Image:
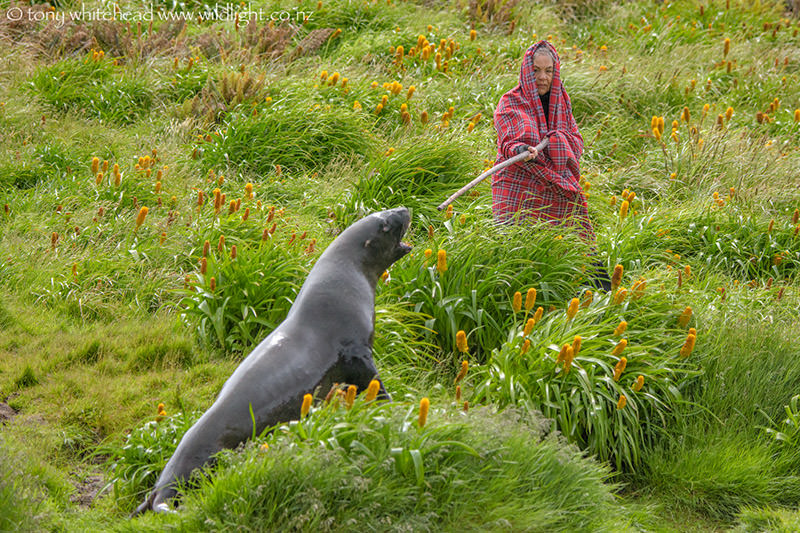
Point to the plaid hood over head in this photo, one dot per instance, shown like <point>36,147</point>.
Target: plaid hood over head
<point>554,177</point>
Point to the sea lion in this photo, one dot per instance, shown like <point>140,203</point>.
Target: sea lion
<point>326,338</point>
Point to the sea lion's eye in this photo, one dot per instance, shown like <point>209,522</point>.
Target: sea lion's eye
<point>385,228</point>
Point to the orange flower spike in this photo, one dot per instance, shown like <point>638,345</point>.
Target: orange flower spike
<point>620,368</point>
<point>530,299</point>
<point>562,355</point>
<point>95,165</point>
<point>572,309</point>
<point>568,357</point>
<point>461,341</point>
<point>372,390</point>
<point>424,406</point>
<point>306,407</point>
<point>618,349</point>
<point>141,216</point>
<point>463,372</point>
<point>576,345</point>
<point>528,327</point>
<point>726,47</point>
<point>622,293</point>
<point>441,261</point>
<point>622,402</point>
<point>685,317</point>
<point>620,328</point>
<point>516,302</point>
<point>688,346</point>
<point>525,346</point>
<point>616,278</point>
<point>639,384</point>
<point>537,316</point>
<point>588,297</point>
<point>350,397</point>
<point>623,209</point>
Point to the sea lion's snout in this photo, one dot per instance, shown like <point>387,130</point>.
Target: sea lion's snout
<point>401,219</point>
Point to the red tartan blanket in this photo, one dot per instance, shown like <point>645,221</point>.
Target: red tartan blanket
<point>548,187</point>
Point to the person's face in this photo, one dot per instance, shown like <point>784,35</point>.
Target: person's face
<point>543,72</point>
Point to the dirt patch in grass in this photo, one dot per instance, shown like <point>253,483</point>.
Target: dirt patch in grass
<point>6,413</point>
<point>86,489</point>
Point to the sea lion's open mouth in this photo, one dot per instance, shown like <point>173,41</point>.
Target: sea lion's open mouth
<point>404,247</point>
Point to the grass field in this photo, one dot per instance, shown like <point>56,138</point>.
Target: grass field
<point>167,184</point>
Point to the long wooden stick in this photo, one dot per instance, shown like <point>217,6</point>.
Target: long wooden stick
<point>519,157</point>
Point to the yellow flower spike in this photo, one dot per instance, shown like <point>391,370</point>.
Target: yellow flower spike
<point>410,92</point>
<point>620,347</point>
<point>357,106</point>
<point>441,261</point>
<point>528,327</point>
<point>692,331</point>
<point>771,225</point>
<point>622,402</point>
<point>350,397</point>
<point>620,329</point>
<point>685,115</point>
<point>461,342</point>
<point>463,371</point>
<point>568,357</point>
<point>616,278</point>
<point>516,302</point>
<point>619,297</point>
<point>95,165</point>
<point>458,393</point>
<point>638,289</point>
<point>525,346</point>
<point>688,346</point>
<point>637,386</point>
<point>572,308</point>
<point>530,299</point>
<point>576,345</point>
<point>797,115</point>
<point>538,314</point>
<point>562,354</point>
<point>657,134</point>
<point>428,252</point>
<point>306,407</point>
<point>212,284</point>
<point>424,405</point>
<point>612,201</point>
<point>385,276</point>
<point>683,320</point>
<point>448,213</point>
<point>141,216</point>
<point>372,390</point>
<point>623,209</point>
<point>728,113</point>
<point>423,117</point>
<point>619,368</point>
<point>726,47</point>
